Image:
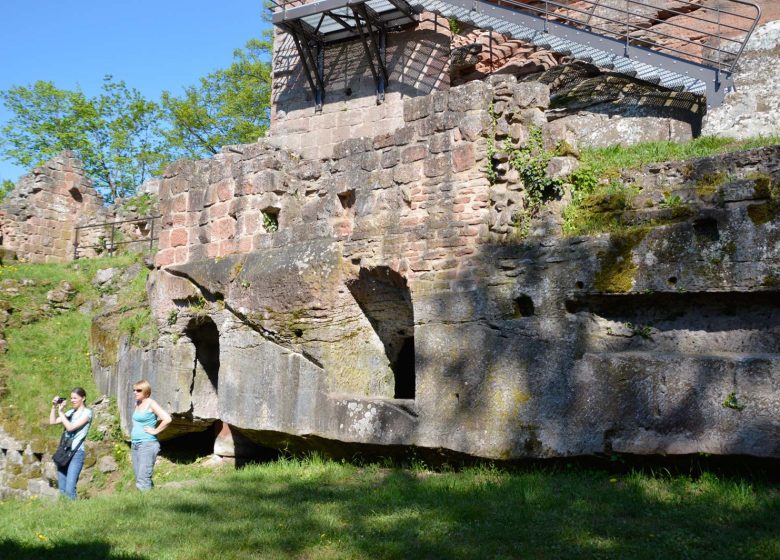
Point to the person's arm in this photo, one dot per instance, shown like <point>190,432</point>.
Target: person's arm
<point>73,426</point>
<point>164,417</point>
<point>56,410</point>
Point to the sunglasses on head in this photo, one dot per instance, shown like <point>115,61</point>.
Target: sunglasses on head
<point>138,390</point>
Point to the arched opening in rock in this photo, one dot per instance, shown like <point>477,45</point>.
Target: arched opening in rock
<point>384,298</point>
<point>203,333</point>
<point>524,306</point>
<point>74,192</point>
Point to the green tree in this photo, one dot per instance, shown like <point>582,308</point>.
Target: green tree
<point>5,187</point>
<point>116,134</point>
<point>228,106</point>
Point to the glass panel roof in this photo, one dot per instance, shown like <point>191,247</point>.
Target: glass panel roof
<point>317,15</point>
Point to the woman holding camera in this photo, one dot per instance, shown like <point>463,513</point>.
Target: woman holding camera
<point>76,422</point>
<point>149,419</point>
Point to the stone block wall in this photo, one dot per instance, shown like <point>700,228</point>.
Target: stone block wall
<point>423,185</point>
<point>24,472</point>
<point>37,218</point>
<point>40,216</point>
<point>417,62</point>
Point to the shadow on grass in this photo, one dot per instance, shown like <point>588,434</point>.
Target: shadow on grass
<point>328,510</point>
<point>89,550</point>
<point>398,514</point>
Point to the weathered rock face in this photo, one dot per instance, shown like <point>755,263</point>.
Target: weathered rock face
<point>38,217</point>
<point>387,297</point>
<point>754,108</point>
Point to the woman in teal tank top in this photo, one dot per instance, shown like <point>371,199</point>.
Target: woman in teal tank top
<point>149,419</point>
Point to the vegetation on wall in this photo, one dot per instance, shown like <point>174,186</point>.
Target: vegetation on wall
<point>531,161</point>
<point>599,197</point>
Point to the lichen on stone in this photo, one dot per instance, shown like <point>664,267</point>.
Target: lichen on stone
<point>616,274</point>
<point>762,213</point>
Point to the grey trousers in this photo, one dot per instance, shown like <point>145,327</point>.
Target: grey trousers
<point>144,455</point>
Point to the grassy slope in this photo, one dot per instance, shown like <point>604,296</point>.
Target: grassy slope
<point>50,354</point>
<point>319,509</point>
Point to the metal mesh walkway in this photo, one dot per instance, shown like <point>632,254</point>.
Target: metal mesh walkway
<point>691,46</point>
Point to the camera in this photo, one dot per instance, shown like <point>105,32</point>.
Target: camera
<point>58,400</point>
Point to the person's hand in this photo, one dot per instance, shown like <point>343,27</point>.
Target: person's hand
<point>60,406</point>
<point>149,430</point>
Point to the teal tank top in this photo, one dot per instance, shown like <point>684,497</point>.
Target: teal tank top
<point>142,419</point>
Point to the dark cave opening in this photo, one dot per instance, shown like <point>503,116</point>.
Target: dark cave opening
<point>205,337</point>
<point>384,298</point>
<point>403,370</point>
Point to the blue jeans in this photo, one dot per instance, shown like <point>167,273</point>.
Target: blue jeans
<point>68,477</point>
<point>144,455</point>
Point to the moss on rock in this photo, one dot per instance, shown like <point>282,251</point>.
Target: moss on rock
<point>762,213</point>
<point>616,274</point>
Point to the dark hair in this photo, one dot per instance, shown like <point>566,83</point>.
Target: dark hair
<point>80,392</point>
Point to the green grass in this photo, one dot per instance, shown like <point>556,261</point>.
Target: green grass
<point>39,366</point>
<point>599,198</point>
<point>608,162</point>
<point>48,355</point>
<point>320,509</point>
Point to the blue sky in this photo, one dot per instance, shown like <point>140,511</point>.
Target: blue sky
<point>153,45</point>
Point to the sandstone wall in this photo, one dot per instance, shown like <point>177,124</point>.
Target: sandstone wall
<point>417,64</point>
<point>55,208</point>
<point>391,296</point>
<point>37,218</point>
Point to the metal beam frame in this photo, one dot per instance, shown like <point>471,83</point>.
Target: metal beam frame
<point>312,62</point>
<point>364,23</point>
<point>374,51</point>
<point>717,82</point>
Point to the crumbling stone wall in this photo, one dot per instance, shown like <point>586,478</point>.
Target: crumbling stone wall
<point>55,208</point>
<point>292,294</point>
<point>38,217</point>
<point>23,471</point>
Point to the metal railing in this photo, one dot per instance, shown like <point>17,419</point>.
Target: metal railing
<point>715,35</point>
<point>110,243</point>
<point>618,19</point>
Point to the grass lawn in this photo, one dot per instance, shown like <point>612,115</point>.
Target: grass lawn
<point>316,509</point>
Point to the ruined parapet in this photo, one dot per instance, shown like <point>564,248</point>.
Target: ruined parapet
<point>38,216</point>
<point>395,294</point>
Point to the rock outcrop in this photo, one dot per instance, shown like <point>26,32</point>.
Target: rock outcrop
<point>398,295</point>
<point>754,108</point>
